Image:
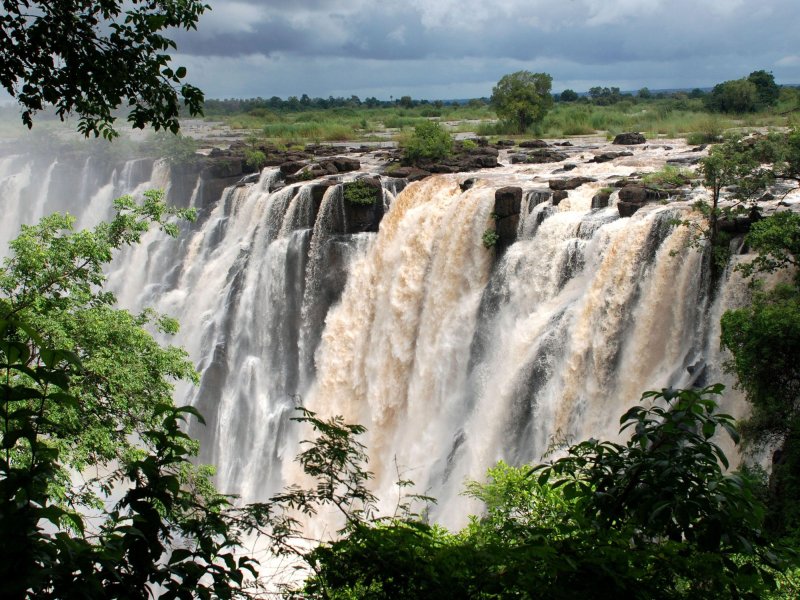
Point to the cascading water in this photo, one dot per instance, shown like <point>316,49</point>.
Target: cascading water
<point>450,358</point>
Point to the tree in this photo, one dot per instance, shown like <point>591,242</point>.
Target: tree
<point>86,389</point>
<point>568,95</point>
<point>737,96</point>
<point>522,99</point>
<point>764,340</point>
<point>88,57</point>
<point>766,88</point>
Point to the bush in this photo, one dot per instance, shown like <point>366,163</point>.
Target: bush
<point>255,158</point>
<point>360,192</point>
<point>429,141</point>
<point>490,238</point>
<point>669,175</point>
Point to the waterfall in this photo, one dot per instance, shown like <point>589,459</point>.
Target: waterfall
<point>452,355</point>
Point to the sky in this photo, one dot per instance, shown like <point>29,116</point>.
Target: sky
<point>441,49</point>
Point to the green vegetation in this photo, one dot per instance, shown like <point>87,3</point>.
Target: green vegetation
<point>255,158</point>
<point>606,521</point>
<point>105,54</point>
<point>490,238</point>
<point>430,141</point>
<point>522,99</point>
<point>360,192</point>
<point>764,339</point>
<point>87,389</point>
<point>668,176</point>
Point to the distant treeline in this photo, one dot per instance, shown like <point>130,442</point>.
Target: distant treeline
<point>231,106</point>
<point>749,94</point>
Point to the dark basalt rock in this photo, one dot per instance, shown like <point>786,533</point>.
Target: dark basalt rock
<point>507,201</point>
<point>568,184</point>
<point>291,167</point>
<point>410,173</point>
<point>533,144</point>
<point>608,156</point>
<point>566,167</point>
<point>345,164</point>
<point>629,139</point>
<point>626,209</point>
<point>600,199</point>
<point>558,196</point>
<point>467,184</point>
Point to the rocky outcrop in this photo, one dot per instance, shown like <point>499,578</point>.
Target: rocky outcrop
<point>507,207</point>
<point>601,199</point>
<point>633,196</point>
<point>533,144</point>
<point>538,157</point>
<point>568,184</point>
<point>609,156</point>
<point>629,139</point>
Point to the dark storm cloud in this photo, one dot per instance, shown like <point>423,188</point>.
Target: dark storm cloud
<point>672,38</point>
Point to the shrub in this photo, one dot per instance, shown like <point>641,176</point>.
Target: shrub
<point>490,238</point>
<point>468,145</point>
<point>429,141</point>
<point>254,158</point>
<point>669,175</point>
<point>360,192</point>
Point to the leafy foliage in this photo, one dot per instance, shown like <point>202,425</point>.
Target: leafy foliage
<point>656,517</point>
<point>764,340</point>
<point>360,192</point>
<point>430,141</point>
<point>490,238</point>
<point>522,98</point>
<point>84,385</point>
<point>89,57</point>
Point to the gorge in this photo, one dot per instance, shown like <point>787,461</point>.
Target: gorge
<point>452,354</point>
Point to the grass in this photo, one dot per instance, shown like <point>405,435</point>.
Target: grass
<point>670,118</point>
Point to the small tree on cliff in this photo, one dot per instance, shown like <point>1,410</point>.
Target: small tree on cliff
<point>522,99</point>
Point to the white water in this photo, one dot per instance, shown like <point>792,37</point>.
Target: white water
<point>450,359</point>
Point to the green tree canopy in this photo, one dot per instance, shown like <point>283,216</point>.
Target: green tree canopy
<point>522,99</point>
<point>737,96</point>
<point>89,57</point>
<point>768,91</point>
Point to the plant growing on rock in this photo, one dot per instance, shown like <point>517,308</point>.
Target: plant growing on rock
<point>490,238</point>
<point>360,192</point>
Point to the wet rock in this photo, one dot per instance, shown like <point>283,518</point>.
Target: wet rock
<point>601,199</point>
<point>633,193</point>
<point>410,173</point>
<point>609,156</point>
<point>566,143</point>
<point>566,167</point>
<point>533,144</point>
<point>291,167</point>
<point>558,196</point>
<point>626,209</point>
<point>683,160</point>
<point>568,184</point>
<point>629,139</point>
<point>505,143</point>
<point>467,184</point>
<point>346,164</point>
<point>507,201</point>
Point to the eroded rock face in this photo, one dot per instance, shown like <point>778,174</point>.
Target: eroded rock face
<point>629,139</point>
<point>538,157</point>
<point>507,207</point>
